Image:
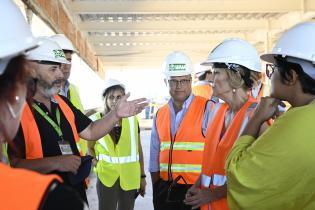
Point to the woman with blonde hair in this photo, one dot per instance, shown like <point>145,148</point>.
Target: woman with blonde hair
<point>276,170</point>
<point>119,168</point>
<point>236,66</point>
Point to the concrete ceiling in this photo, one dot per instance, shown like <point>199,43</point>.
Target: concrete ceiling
<point>140,33</point>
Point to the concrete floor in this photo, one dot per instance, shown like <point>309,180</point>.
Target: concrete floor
<point>141,203</point>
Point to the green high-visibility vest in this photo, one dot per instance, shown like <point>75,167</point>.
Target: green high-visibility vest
<point>121,160</point>
<point>74,97</point>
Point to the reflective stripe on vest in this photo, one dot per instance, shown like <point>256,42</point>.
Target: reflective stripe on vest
<point>185,158</point>
<point>181,168</point>
<point>219,179</point>
<point>214,112</point>
<point>266,90</point>
<point>117,160</point>
<point>134,157</point>
<point>217,148</point>
<point>182,146</point>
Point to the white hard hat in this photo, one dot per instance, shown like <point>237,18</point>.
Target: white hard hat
<point>16,36</point>
<point>63,42</point>
<point>177,64</point>
<point>47,51</point>
<point>112,82</point>
<point>237,51</point>
<point>199,69</point>
<point>298,42</point>
<point>296,45</point>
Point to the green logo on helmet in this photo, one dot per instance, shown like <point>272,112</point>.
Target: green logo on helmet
<point>59,54</point>
<point>177,67</point>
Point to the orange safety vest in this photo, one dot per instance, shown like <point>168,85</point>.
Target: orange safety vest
<point>203,91</point>
<point>23,189</point>
<point>217,148</point>
<point>33,143</point>
<point>186,154</point>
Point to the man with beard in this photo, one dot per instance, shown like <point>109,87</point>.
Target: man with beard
<point>51,126</point>
<point>67,89</point>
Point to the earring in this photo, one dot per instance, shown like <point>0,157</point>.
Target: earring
<point>234,90</point>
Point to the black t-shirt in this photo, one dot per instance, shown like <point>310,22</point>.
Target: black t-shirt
<point>49,136</point>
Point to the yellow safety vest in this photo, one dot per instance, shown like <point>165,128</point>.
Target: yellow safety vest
<point>74,97</point>
<point>121,160</point>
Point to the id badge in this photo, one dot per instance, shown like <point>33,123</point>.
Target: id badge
<point>65,147</point>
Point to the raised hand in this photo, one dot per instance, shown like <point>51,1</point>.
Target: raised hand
<point>268,108</point>
<point>126,108</point>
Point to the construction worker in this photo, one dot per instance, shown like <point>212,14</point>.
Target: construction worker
<point>48,136</point>
<point>67,89</point>
<point>275,170</point>
<point>177,137</point>
<point>20,188</point>
<point>203,86</point>
<point>120,167</point>
<point>236,66</point>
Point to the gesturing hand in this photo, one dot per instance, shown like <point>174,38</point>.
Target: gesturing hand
<point>126,108</point>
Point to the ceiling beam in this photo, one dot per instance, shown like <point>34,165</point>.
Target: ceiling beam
<point>189,25</point>
<point>189,7</point>
<point>171,47</point>
<point>149,53</point>
<point>164,38</point>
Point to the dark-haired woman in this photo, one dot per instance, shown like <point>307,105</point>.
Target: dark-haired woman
<point>22,189</point>
<point>236,66</point>
<point>276,170</point>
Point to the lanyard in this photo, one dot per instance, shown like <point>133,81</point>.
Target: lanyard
<point>49,120</point>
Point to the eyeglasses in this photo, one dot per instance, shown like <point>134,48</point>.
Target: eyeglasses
<point>176,83</point>
<point>270,69</point>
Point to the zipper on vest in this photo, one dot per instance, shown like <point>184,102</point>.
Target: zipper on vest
<point>170,159</point>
